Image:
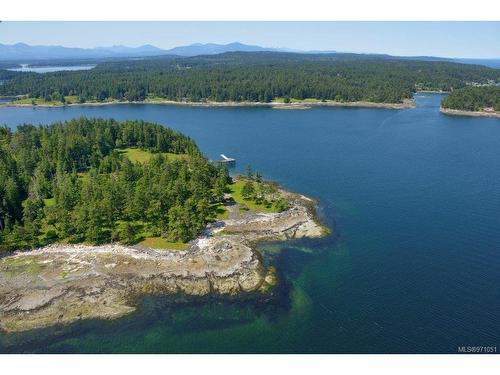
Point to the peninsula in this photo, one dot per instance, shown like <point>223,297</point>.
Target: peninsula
<point>482,101</point>
<point>112,227</point>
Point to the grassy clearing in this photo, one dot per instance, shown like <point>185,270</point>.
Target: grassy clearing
<point>162,243</point>
<point>143,156</point>
<point>171,156</point>
<point>136,155</point>
<point>155,99</point>
<point>222,213</point>
<point>49,202</point>
<point>37,101</point>
<point>294,100</point>
<point>145,238</point>
<point>236,192</point>
<point>70,99</point>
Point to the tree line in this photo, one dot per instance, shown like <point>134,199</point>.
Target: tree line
<point>474,98</point>
<point>71,182</point>
<point>255,77</point>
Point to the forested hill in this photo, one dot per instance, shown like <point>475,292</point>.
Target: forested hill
<point>474,99</point>
<point>74,182</point>
<point>250,76</point>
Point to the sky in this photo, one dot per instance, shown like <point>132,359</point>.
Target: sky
<point>444,39</point>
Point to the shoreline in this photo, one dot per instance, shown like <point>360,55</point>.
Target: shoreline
<point>459,112</point>
<point>433,92</point>
<point>61,284</point>
<point>407,103</point>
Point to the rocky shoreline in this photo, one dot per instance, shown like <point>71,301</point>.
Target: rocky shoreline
<point>407,103</point>
<point>458,112</point>
<point>61,284</point>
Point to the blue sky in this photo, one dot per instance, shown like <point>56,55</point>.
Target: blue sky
<point>446,39</point>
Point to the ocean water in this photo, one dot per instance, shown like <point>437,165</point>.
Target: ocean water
<point>412,266</point>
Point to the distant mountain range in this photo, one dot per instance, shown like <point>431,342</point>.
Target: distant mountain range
<point>24,53</point>
<point>214,49</point>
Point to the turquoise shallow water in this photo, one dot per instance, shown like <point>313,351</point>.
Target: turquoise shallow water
<point>413,198</point>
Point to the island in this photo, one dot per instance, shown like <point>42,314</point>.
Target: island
<point>97,213</point>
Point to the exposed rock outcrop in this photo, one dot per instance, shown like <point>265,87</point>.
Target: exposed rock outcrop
<point>63,283</point>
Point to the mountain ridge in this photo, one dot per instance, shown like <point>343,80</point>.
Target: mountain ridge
<point>21,52</point>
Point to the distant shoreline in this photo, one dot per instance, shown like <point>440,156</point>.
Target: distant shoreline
<point>433,92</point>
<point>407,103</point>
<point>459,112</point>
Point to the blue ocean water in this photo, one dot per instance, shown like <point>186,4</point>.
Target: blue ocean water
<point>413,265</point>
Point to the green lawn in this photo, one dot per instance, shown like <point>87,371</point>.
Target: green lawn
<point>49,202</point>
<point>136,155</point>
<point>235,191</point>
<point>162,243</point>
<point>37,101</point>
<point>171,156</point>
<point>145,238</point>
<point>143,156</point>
<point>71,99</point>
<point>41,101</point>
<point>222,213</point>
<point>294,100</point>
<point>155,99</point>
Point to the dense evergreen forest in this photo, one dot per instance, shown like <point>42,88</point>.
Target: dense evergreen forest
<point>474,98</point>
<point>255,76</point>
<point>71,182</point>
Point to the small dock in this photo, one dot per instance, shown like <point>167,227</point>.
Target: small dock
<point>226,160</point>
